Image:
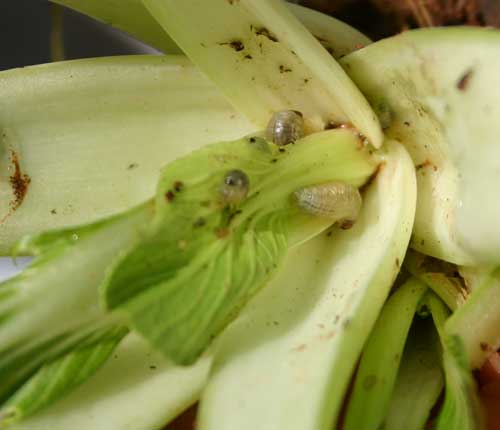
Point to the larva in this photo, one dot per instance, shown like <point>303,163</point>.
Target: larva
<point>337,201</point>
<point>285,127</point>
<point>235,187</point>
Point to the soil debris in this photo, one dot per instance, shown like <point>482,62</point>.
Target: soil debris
<point>19,182</point>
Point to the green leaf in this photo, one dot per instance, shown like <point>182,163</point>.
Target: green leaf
<point>461,409</point>
<point>92,135</point>
<point>57,378</point>
<point>442,277</point>
<point>378,369</point>
<point>41,318</point>
<point>264,60</point>
<point>440,89</point>
<point>419,382</point>
<point>298,341</point>
<point>135,389</point>
<point>202,259</point>
<point>181,313</point>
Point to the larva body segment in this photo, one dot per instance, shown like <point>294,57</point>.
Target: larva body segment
<point>337,201</point>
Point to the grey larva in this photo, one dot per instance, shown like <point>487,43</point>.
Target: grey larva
<point>235,187</point>
<point>285,127</point>
<point>337,201</point>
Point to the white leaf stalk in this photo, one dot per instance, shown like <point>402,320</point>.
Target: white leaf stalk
<point>264,60</point>
<point>439,87</point>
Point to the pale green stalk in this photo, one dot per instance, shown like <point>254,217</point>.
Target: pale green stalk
<point>378,368</point>
<point>419,382</point>
<point>477,322</point>
<point>461,409</point>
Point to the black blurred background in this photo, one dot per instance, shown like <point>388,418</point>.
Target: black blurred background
<point>24,32</point>
<point>25,27</point>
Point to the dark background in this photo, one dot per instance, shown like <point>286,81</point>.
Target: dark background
<point>24,32</point>
<point>25,35</point>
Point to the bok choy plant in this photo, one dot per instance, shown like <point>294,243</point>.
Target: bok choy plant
<point>228,226</point>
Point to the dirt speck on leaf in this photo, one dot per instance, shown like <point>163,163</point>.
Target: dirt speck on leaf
<point>221,232</point>
<point>263,31</point>
<point>169,196</point>
<point>237,45</point>
<point>484,346</point>
<point>463,82</point>
<point>178,186</point>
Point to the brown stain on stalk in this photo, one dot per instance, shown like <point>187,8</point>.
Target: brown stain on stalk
<point>19,182</point>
